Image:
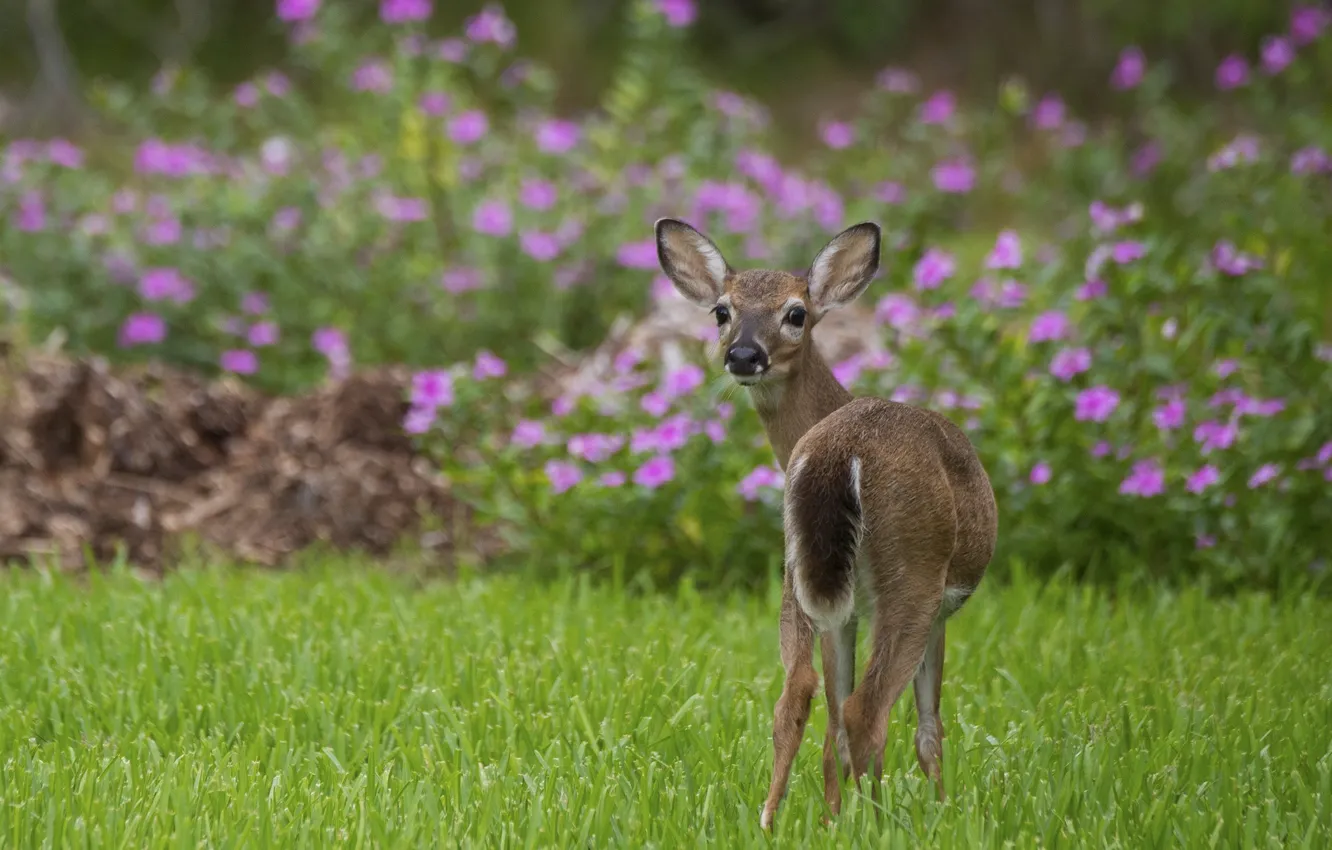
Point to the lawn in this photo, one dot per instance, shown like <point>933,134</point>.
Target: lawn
<point>338,705</point>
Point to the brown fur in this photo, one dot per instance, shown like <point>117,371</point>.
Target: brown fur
<point>916,532</point>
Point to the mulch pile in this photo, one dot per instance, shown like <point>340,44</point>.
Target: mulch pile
<point>92,459</point>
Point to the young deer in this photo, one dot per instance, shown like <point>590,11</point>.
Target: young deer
<point>888,512</point>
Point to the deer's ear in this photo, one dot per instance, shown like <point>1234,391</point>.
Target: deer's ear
<point>845,266</point>
<point>691,261</point>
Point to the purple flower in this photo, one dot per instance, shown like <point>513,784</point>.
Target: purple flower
<point>1095,404</point>
<point>468,127</point>
<point>432,388</point>
<point>1307,23</point>
<point>1049,113</point>
<point>1040,473</point>
<point>954,176</point>
<point>678,13</point>
<point>332,343</point>
<point>1233,72</point>
<point>262,334</point>
<point>165,285</point>
<point>1215,435</point>
<point>539,245</point>
<point>64,153</point>
<point>594,448</point>
<point>1146,479</point>
<point>638,255</point>
<point>254,303</point>
<point>247,95</point>
<point>1277,54</point>
<point>1068,362</point>
<point>528,433</point>
<point>537,194</point>
<point>1204,541</point>
<point>889,192</point>
<point>562,475</point>
<point>1130,69</point>
<point>1007,252</point>
<point>372,76</point>
<point>141,329</point>
<point>556,136</point>
<point>32,212</point>
<point>492,218</point>
<point>897,80</point>
<point>1048,326</point>
<point>655,472</point>
<point>1310,160</point>
<point>434,103</point>
<point>760,477</point>
<point>491,25</point>
<point>488,366</point>
<point>655,403</point>
<point>240,361</point>
<point>938,108</point>
<point>1101,449</point>
<point>614,478</point>
<point>1092,290</point>
<point>1205,477</point>
<point>838,134</point>
<point>1127,252</point>
<point>1264,474</point>
<point>296,10</point>
<point>461,279</point>
<point>1243,149</point>
<point>419,419</point>
<point>933,268</point>
<point>1170,415</point>
<point>1226,259</point>
<point>683,380</point>
<point>277,84</point>
<point>404,11</point>
<point>897,311</point>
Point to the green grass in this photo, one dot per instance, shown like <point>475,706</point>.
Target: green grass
<point>344,707</point>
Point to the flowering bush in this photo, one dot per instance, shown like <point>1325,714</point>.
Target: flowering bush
<point>1128,316</point>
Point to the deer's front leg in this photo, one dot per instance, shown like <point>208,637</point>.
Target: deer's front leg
<point>792,712</point>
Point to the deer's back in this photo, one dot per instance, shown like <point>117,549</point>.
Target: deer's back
<point>923,490</point>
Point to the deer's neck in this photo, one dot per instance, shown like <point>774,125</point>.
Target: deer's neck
<point>790,407</point>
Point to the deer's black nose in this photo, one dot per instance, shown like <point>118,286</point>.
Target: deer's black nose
<point>744,360</point>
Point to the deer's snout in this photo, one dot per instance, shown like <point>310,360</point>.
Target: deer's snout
<point>745,359</point>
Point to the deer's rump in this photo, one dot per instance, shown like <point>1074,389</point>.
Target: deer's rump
<point>894,488</point>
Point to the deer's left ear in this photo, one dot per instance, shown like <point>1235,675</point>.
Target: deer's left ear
<point>845,266</point>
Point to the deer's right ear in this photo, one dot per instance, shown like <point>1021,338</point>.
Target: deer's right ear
<point>691,261</point>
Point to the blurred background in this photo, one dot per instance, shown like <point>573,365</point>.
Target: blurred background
<point>246,236</point>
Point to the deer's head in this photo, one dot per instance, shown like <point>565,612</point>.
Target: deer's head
<point>765,317</point>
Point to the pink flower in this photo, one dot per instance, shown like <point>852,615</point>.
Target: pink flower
<point>562,475</point>
<point>419,419</point>
<point>528,433</point>
<point>938,108</point>
<point>1233,72</point>
<point>1048,326</point>
<point>1130,69</point>
<point>1007,252</point>
<point>141,329</point>
<point>537,194</point>
<point>933,268</point>
<point>1101,449</point>
<point>488,366</point>
<point>655,403</point>
<point>432,389</point>
<point>678,13</point>
<point>1040,473</point>
<point>1170,415</point>
<point>468,127</point>
<point>1204,541</point>
<point>1147,479</point>
<point>1095,404</point>
<point>594,448</point>
<point>296,10</point>
<point>1228,260</point>
<point>1264,474</point>
<point>373,76</point>
<point>492,218</point>
<point>491,25</point>
<point>1068,362</point>
<point>838,134</point>
<point>1215,435</point>
<point>263,334</point>
<point>461,279</point>
<point>897,311</point>
<point>254,303</point>
<point>403,209</point>
<point>32,212</point>
<point>1092,290</point>
<point>539,245</point>
<point>1277,54</point>
<point>434,103</point>
<point>404,11</point>
<point>897,80</point>
<point>1049,113</point>
<point>247,95</point>
<point>889,192</point>
<point>556,136</point>
<point>1310,160</point>
<point>1127,252</point>
<point>1307,23</point>
<point>1205,477</point>
<point>683,380</point>
<point>240,361</point>
<point>656,472</point>
<point>638,255</point>
<point>954,176</point>
<point>760,477</point>
<point>614,478</point>
<point>165,285</point>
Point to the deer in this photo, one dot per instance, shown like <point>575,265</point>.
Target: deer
<point>887,511</point>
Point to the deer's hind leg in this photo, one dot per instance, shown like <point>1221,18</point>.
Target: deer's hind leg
<point>929,726</point>
<point>792,711</point>
<point>839,675</point>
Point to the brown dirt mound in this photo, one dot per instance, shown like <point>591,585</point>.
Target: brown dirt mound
<point>91,460</point>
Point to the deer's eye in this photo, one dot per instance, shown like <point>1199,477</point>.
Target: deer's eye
<point>723,315</point>
<point>796,317</point>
